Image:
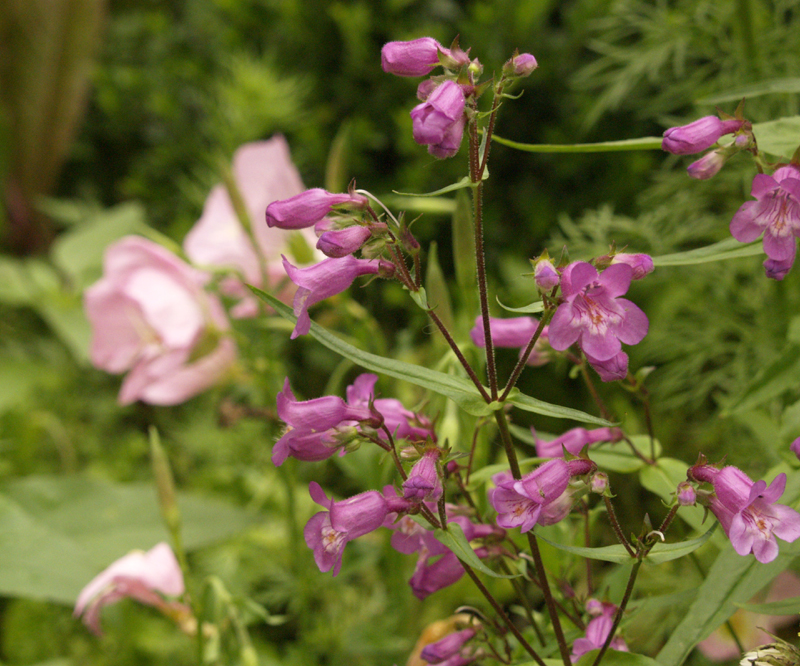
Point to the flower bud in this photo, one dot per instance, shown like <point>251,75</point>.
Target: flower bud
<point>642,264</point>
<point>423,483</point>
<point>707,166</point>
<point>545,275</point>
<point>697,136</point>
<point>600,483</point>
<point>521,65</point>
<point>308,208</point>
<point>686,494</point>
<point>417,57</point>
<point>341,242</point>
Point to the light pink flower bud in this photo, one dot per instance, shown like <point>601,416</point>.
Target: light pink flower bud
<point>686,494</point>
<point>309,207</point>
<point>417,57</point>
<point>341,242</point>
<point>600,483</point>
<point>149,314</point>
<point>423,483</point>
<point>707,166</point>
<point>545,275</point>
<point>697,136</point>
<point>138,575</point>
<point>520,65</point>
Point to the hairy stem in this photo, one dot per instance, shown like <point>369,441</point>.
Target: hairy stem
<point>612,517</point>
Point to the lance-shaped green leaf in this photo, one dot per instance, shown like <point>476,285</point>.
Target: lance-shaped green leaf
<point>768,87</point>
<point>784,607</point>
<point>458,389</point>
<point>646,143</point>
<point>464,183</point>
<point>538,306</point>
<point>456,541</point>
<point>727,249</point>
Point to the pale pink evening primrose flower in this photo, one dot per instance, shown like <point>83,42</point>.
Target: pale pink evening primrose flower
<point>697,136</point>
<point>263,172</point>
<point>775,213</point>
<point>439,121</point>
<point>145,577</point>
<point>316,429</point>
<point>749,513</point>
<point>149,314</point>
<point>593,314</point>
<point>325,279</point>
<point>328,532</point>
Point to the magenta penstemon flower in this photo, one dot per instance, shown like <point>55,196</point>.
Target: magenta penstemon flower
<point>597,630</point>
<point>309,207</point>
<point>594,315</point>
<point>449,647</point>
<point>776,214</point>
<point>325,279</point>
<point>424,483</point>
<point>328,532</point>
<point>439,121</point>
<point>749,512</point>
<point>318,428</point>
<point>574,440</point>
<point>697,136</point>
<point>418,57</point>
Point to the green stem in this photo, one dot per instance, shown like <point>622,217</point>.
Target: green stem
<point>612,517</point>
<point>523,359</point>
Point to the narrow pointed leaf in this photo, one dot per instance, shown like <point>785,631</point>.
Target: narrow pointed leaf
<point>455,540</point>
<point>646,143</point>
<point>730,248</point>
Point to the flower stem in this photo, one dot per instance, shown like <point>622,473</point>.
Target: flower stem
<point>502,614</point>
<point>612,516</point>
<point>523,359</point>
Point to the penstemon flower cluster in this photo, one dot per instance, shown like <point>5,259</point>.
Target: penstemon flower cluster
<point>175,340</point>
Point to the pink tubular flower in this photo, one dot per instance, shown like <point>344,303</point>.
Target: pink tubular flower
<point>439,121</point>
<point>612,369</point>
<point>777,270</point>
<point>263,172</point>
<point>401,422</point>
<point>642,264</point>
<point>142,576</point>
<point>707,166</point>
<point>775,213</point>
<point>447,647</point>
<point>545,276</point>
<point>325,279</point>
<point>749,514</point>
<point>597,631</point>
<point>574,440</point>
<point>328,532</point>
<point>149,314</point>
<point>515,332</point>
<point>423,483</point>
<point>309,207</point>
<point>318,428</point>
<point>593,315</point>
<point>697,136</point>
<point>520,503</point>
<point>417,57</point>
<point>341,242</point>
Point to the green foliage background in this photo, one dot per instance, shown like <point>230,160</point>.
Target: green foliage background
<point>178,85</point>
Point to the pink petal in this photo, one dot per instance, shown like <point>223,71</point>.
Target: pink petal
<point>745,225</point>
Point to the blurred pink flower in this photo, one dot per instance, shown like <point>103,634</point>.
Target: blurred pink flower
<point>264,173</point>
<point>142,576</point>
<point>150,315</point>
<point>752,629</point>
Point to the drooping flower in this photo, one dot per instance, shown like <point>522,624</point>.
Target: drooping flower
<point>597,631</point>
<point>574,440</point>
<point>439,121</point>
<point>775,213</point>
<point>402,423</point>
<point>593,314</point>
<point>325,279</point>
<point>520,503</point>
<point>418,57</point>
<point>144,576</point>
<point>749,512</point>
<point>328,532</point>
<point>151,315</point>
<point>263,172</point>
<point>697,136</point>
<point>307,208</point>
<point>614,368</point>
<point>316,429</point>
